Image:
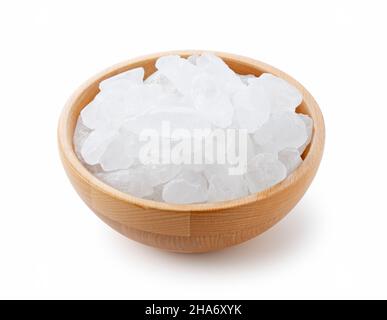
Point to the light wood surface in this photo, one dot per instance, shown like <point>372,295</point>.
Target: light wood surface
<point>198,227</point>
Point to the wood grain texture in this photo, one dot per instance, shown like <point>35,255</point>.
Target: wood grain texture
<point>197,227</point>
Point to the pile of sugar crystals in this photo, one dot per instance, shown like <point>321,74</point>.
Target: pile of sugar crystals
<point>200,92</point>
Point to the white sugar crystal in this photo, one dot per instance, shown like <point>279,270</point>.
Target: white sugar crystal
<point>185,96</point>
<point>90,115</point>
<point>81,133</point>
<point>252,148</point>
<point>177,117</point>
<point>159,174</point>
<point>309,130</point>
<point>176,100</point>
<point>112,108</point>
<point>95,145</point>
<point>215,66</point>
<point>282,130</point>
<point>245,78</point>
<point>127,78</point>
<point>226,187</point>
<point>121,153</point>
<point>193,167</point>
<point>157,78</point>
<point>290,158</point>
<point>188,187</point>
<point>283,96</point>
<point>214,169</point>
<point>211,102</point>
<point>179,71</point>
<point>193,59</point>
<point>264,171</point>
<point>157,194</point>
<point>129,181</point>
<point>252,106</point>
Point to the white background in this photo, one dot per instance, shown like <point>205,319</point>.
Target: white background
<point>332,245</point>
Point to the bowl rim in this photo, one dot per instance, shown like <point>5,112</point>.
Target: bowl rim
<point>311,160</point>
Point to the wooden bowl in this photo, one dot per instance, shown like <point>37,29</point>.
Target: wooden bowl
<point>197,227</point>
